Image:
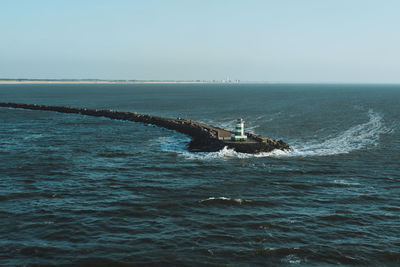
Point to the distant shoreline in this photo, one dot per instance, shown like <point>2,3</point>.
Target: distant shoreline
<point>23,81</point>
<point>95,81</point>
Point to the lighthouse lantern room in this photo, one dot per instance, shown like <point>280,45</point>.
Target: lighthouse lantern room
<point>239,131</point>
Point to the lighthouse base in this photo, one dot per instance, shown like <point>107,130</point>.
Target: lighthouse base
<point>239,138</point>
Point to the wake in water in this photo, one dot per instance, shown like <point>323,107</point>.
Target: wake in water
<point>356,138</point>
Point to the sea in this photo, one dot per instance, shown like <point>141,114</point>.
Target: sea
<point>77,190</point>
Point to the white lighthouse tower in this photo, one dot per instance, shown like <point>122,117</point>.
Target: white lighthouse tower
<point>239,131</point>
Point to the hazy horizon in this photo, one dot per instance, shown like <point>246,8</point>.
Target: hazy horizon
<point>95,80</point>
<point>262,41</point>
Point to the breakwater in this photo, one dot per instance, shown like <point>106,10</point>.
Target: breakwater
<point>205,138</point>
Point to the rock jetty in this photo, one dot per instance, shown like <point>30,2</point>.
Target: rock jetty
<point>205,138</point>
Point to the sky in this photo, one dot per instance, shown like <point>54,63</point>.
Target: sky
<point>345,41</point>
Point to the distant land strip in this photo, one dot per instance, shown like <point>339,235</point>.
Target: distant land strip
<point>100,81</point>
<point>121,81</point>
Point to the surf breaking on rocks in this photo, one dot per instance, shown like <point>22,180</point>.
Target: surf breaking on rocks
<point>357,137</point>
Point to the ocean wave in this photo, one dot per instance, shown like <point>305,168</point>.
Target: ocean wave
<point>174,143</point>
<point>33,136</point>
<point>345,183</point>
<point>224,200</point>
<point>113,154</point>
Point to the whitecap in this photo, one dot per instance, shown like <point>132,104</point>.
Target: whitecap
<point>292,259</point>
<point>225,199</point>
<point>345,182</point>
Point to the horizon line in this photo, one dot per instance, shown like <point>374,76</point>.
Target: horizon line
<point>169,81</point>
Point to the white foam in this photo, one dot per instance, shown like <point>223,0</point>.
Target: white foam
<point>292,259</point>
<point>356,138</point>
<point>174,143</point>
<point>345,182</point>
<point>227,199</point>
<point>224,153</point>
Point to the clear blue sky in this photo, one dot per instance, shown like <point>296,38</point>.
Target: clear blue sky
<point>280,40</point>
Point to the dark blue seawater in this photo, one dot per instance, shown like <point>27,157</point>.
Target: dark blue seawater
<point>80,190</point>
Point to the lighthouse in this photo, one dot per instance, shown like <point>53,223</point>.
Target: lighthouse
<point>239,131</point>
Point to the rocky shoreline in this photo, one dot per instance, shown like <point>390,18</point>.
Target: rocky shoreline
<point>205,138</point>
